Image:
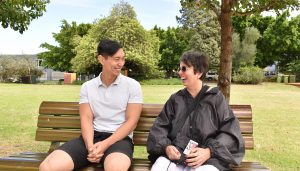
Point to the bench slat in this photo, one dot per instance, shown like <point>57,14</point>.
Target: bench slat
<point>10,163</point>
<point>51,121</point>
<point>50,107</point>
<point>72,108</point>
<point>56,135</point>
<point>139,138</point>
<point>144,124</point>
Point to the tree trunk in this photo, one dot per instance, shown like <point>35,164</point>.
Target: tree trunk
<point>224,80</point>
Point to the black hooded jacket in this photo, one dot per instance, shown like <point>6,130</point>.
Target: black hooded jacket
<point>212,124</point>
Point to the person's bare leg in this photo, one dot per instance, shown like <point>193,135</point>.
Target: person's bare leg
<point>117,162</point>
<point>58,160</point>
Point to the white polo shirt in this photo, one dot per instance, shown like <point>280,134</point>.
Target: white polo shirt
<point>109,104</point>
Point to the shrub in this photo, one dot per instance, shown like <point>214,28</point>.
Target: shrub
<point>78,82</point>
<point>270,79</point>
<point>15,68</point>
<point>249,75</point>
<point>294,68</point>
<point>49,82</point>
<point>172,81</point>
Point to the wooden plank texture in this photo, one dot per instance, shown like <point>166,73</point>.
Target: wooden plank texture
<point>139,138</point>
<point>60,122</point>
<point>144,124</point>
<point>72,108</point>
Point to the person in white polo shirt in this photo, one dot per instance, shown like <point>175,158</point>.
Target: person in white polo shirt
<point>110,106</point>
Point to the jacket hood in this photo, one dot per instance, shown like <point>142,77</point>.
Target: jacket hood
<point>211,90</point>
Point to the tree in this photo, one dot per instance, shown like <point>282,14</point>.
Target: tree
<point>7,68</point>
<point>18,14</point>
<point>280,42</point>
<point>141,46</point>
<point>172,45</point>
<point>13,68</point>
<point>241,23</point>
<point>204,29</point>
<point>244,51</point>
<point>225,10</point>
<point>293,67</point>
<point>59,57</point>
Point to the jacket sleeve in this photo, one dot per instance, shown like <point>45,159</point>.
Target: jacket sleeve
<point>158,137</point>
<point>228,145</point>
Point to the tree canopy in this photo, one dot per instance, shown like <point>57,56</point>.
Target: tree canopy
<point>241,23</point>
<point>172,44</point>
<point>12,68</point>
<point>59,57</point>
<point>280,42</point>
<point>244,51</point>
<point>205,30</point>
<point>141,46</point>
<point>224,10</point>
<point>18,14</point>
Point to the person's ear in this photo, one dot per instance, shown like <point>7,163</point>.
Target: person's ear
<point>199,74</point>
<point>101,59</point>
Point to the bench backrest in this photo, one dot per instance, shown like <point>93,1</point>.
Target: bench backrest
<point>60,122</point>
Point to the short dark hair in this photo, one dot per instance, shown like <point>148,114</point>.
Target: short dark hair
<point>108,47</point>
<point>198,60</point>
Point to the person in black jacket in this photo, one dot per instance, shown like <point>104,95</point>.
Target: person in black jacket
<point>200,115</point>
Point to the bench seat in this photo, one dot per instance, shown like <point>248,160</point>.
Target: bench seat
<point>59,122</point>
<point>30,161</point>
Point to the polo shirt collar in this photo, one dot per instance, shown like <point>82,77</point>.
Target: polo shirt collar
<point>117,81</point>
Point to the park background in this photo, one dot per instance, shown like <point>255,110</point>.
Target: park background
<point>275,117</point>
<point>265,58</point>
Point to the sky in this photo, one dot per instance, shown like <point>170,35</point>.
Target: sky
<point>149,13</point>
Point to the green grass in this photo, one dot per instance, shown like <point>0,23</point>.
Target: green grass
<point>276,110</point>
<point>276,117</point>
<point>171,81</point>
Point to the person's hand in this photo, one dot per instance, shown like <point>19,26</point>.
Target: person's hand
<point>172,152</point>
<point>96,152</point>
<point>93,156</point>
<point>197,157</point>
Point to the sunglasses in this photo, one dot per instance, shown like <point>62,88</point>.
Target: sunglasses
<point>183,68</point>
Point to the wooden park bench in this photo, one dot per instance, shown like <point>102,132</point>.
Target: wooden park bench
<point>59,122</point>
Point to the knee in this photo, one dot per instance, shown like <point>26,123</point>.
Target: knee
<point>117,162</point>
<point>56,162</point>
<point>116,166</point>
<point>44,166</point>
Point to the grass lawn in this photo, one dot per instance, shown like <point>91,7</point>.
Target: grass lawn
<point>276,109</point>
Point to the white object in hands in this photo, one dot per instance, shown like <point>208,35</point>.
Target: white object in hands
<point>190,145</point>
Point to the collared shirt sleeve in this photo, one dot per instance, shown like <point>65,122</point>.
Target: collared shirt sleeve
<point>135,93</point>
<point>83,94</point>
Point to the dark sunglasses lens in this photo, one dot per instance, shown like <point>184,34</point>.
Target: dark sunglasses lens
<point>183,69</point>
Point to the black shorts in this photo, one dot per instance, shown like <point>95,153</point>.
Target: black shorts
<point>78,152</point>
